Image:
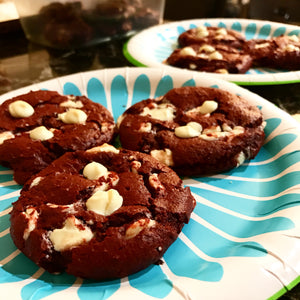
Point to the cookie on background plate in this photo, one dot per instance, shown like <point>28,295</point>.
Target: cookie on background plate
<point>102,213</point>
<point>38,127</point>
<point>194,130</point>
<point>282,52</point>
<point>207,58</point>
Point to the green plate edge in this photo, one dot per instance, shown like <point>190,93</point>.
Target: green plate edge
<point>139,64</point>
<point>285,289</point>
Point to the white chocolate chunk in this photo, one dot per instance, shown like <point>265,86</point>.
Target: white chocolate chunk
<point>6,135</point>
<point>32,215</point>
<point>105,202</point>
<point>222,71</point>
<point>35,181</point>
<point>71,235</point>
<point>188,51</point>
<point>291,48</point>
<point>94,171</point>
<point>215,132</point>
<point>215,55</point>
<point>41,133</point>
<point>263,45</point>
<point>221,31</point>
<point>155,182</point>
<point>73,116</point>
<point>190,130</point>
<point>163,156</point>
<point>192,66</point>
<point>207,49</point>
<point>103,148</point>
<point>135,165</point>
<point>135,228</point>
<point>71,104</point>
<point>20,109</point>
<point>201,31</point>
<point>163,112</point>
<point>120,120</point>
<point>293,38</point>
<point>240,158</point>
<point>145,127</point>
<point>207,107</point>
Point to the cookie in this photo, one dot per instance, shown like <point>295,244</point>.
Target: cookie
<point>38,127</point>
<point>207,58</point>
<point>101,214</point>
<point>281,52</point>
<point>194,130</point>
<point>212,36</point>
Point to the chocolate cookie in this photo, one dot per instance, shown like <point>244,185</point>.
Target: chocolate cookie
<point>194,130</point>
<point>211,36</point>
<point>102,213</point>
<point>38,127</point>
<point>207,58</point>
<point>281,52</point>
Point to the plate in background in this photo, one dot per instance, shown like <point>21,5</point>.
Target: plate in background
<point>243,238</point>
<point>152,46</point>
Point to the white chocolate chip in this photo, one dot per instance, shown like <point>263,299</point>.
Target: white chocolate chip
<point>201,32</point>
<point>103,148</point>
<point>106,127</point>
<point>221,31</point>
<point>293,38</point>
<point>71,104</point>
<point>6,135</point>
<point>35,181</point>
<point>20,109</point>
<point>263,45</point>
<point>135,165</point>
<point>226,127</point>
<point>73,116</point>
<point>240,158</point>
<point>222,71</point>
<point>192,66</point>
<point>155,182</point>
<point>207,107</point>
<point>32,215</point>
<point>190,130</point>
<point>215,55</point>
<point>105,202</point>
<point>145,127</point>
<point>163,112</point>
<point>163,156</point>
<point>213,133</point>
<point>94,171</point>
<point>291,48</point>
<point>71,235</point>
<point>207,49</point>
<point>41,133</point>
<point>135,228</point>
<point>188,51</point>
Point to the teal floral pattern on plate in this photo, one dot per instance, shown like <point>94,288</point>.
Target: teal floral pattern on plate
<point>234,210</point>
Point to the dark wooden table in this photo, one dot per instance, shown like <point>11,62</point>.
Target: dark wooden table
<point>23,63</point>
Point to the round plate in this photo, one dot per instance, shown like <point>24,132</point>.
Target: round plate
<point>152,47</point>
<point>243,237</point>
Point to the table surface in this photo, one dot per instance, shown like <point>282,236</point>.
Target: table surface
<point>23,63</point>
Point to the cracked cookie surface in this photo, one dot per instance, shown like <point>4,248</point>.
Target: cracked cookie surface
<point>102,213</point>
<point>38,127</point>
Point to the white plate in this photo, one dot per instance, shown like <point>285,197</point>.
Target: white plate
<point>152,46</point>
<point>243,238</point>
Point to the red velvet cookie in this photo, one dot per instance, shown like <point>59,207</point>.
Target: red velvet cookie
<point>212,36</point>
<point>194,130</point>
<point>208,58</point>
<point>102,213</point>
<point>281,52</point>
<point>38,127</point>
